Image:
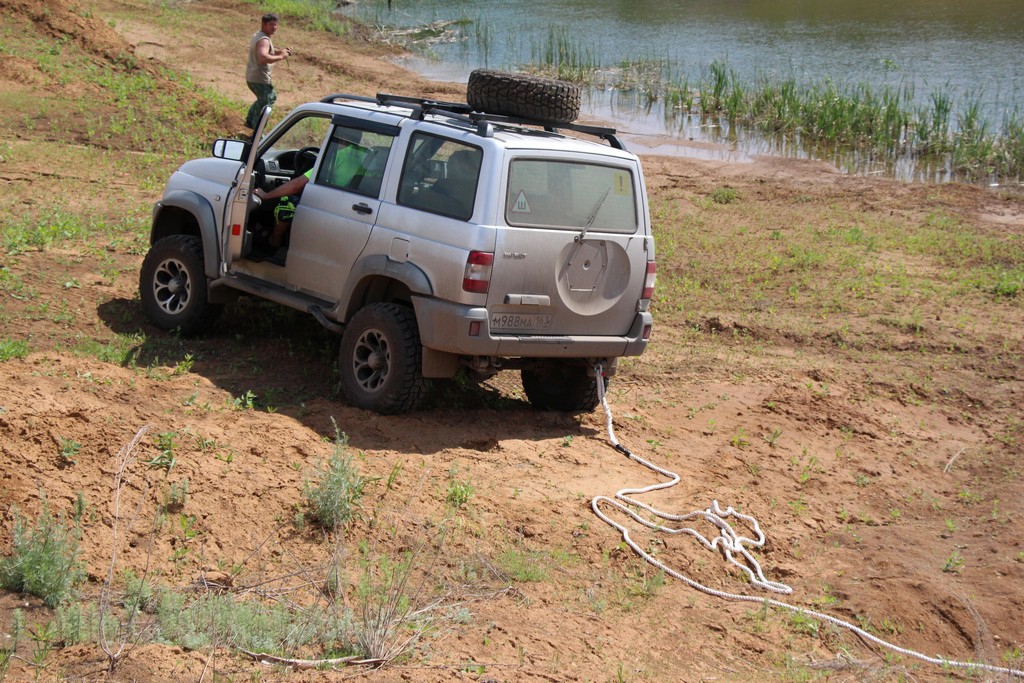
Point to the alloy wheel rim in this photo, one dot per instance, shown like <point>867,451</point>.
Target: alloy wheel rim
<point>172,286</point>
<point>371,361</point>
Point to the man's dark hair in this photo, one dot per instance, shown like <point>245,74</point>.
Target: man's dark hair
<point>270,16</point>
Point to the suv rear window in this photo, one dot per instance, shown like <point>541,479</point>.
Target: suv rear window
<point>572,195</point>
<point>440,176</point>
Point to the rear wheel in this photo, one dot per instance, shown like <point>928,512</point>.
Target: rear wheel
<point>561,386</point>
<point>380,360</point>
<point>172,285</point>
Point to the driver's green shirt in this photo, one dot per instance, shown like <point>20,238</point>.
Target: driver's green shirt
<point>347,164</point>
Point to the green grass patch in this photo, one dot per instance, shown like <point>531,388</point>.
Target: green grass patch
<point>816,261</point>
<point>45,231</point>
<point>522,565</point>
<point>128,106</point>
<point>531,566</point>
<point>224,619</point>
<point>315,14</point>
<point>121,350</point>
<point>250,624</point>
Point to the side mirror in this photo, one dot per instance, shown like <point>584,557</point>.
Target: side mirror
<point>236,150</point>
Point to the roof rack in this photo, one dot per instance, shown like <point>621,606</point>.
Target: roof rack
<point>460,111</point>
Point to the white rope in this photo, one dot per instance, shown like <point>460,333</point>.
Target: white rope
<point>731,545</point>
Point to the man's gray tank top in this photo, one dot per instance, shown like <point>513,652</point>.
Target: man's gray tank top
<point>254,71</point>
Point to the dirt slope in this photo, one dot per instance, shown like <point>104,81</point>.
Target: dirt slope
<point>882,460</point>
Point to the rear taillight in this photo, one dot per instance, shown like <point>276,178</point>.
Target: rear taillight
<point>477,277</point>
<point>649,281</point>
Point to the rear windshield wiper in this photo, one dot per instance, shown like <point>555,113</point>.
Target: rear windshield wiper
<point>593,215</point>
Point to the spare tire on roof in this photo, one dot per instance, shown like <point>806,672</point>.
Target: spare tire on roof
<point>520,95</point>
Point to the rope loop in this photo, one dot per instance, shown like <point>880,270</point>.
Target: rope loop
<point>730,544</point>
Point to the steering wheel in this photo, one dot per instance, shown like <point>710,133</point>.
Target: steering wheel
<point>305,159</point>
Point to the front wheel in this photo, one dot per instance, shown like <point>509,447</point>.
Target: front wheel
<point>561,386</point>
<point>172,285</point>
<point>380,359</point>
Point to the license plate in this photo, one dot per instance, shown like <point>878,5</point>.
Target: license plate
<point>520,322</point>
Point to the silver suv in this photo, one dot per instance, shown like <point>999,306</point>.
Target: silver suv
<point>465,241</point>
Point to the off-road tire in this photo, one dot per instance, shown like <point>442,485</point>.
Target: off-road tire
<point>380,359</point>
<point>509,94</point>
<point>566,387</point>
<point>172,286</point>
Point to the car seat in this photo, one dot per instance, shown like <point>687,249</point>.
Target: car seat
<point>459,184</point>
<point>373,170</point>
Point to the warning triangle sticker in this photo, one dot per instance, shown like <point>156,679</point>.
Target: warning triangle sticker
<point>521,204</point>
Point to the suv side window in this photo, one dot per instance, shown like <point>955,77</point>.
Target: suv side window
<point>440,176</point>
<point>354,160</point>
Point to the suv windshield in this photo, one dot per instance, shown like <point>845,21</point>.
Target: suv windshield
<point>306,132</point>
<point>572,195</point>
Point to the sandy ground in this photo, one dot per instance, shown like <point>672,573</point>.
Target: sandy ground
<point>888,464</point>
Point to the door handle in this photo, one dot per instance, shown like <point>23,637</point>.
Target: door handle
<point>362,208</point>
<point>528,299</point>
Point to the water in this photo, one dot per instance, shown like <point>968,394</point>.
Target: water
<point>967,48</point>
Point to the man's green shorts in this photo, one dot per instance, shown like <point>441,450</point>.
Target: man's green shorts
<point>285,209</point>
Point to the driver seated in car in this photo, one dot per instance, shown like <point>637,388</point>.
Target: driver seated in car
<point>344,171</point>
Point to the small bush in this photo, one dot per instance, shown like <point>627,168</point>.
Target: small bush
<point>12,348</point>
<point>78,622</point>
<point>387,605</point>
<point>43,559</point>
<point>176,496</point>
<point>333,498</point>
<point>459,493</point>
<point>138,594</point>
<point>165,459</point>
<point>1010,284</point>
<point>68,454</point>
<point>724,195</point>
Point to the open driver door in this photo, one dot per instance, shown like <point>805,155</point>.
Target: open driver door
<point>242,201</point>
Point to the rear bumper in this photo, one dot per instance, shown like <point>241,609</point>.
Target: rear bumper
<point>445,326</point>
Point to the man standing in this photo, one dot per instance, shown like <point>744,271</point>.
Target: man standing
<point>262,57</point>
